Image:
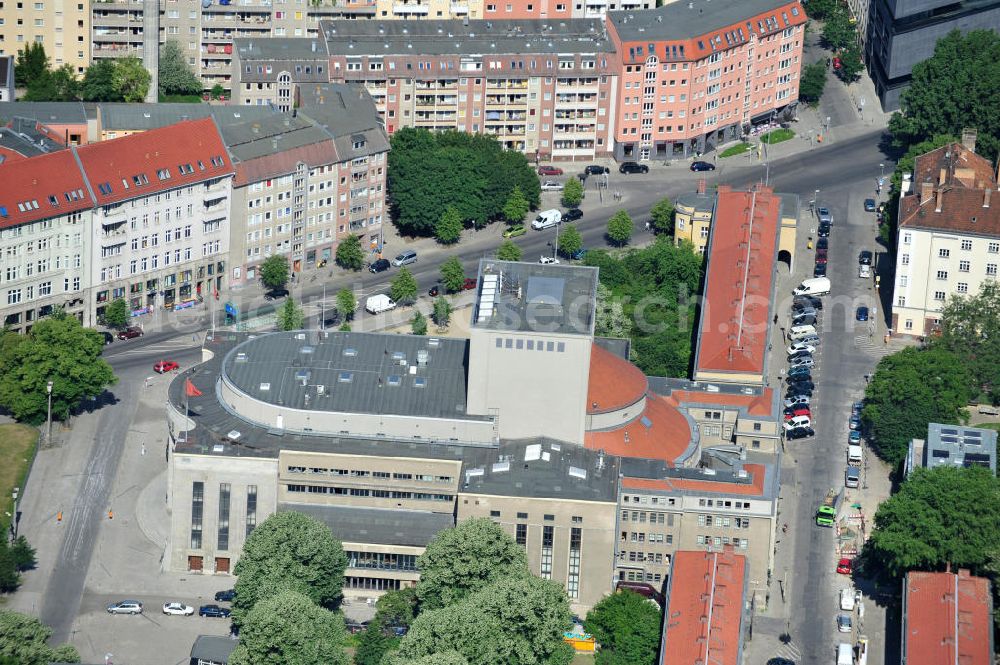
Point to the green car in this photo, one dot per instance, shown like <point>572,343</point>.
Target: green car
<point>514,231</point>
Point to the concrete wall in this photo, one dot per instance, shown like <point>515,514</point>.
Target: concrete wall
<point>617,418</point>
<point>532,392</point>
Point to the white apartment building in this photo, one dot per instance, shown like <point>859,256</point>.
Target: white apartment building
<point>948,240</point>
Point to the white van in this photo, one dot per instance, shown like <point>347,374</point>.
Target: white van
<point>817,286</point>
<point>798,332</point>
<point>854,455</point>
<point>864,271</point>
<point>845,654</point>
<point>546,218</point>
<point>847,600</point>
<point>379,303</point>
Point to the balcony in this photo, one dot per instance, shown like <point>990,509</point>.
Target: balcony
<point>405,9</point>
<point>459,9</point>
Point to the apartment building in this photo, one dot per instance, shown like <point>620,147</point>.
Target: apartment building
<point>6,78</point>
<point>948,238</point>
<point>946,619</point>
<point>693,218</point>
<point>952,445</point>
<point>61,26</point>
<point>501,10</point>
<point>695,75</point>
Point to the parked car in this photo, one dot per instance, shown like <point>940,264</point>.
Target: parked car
<point>801,383</point>
<point>854,422</point>
<point>551,186</point>
<point>865,257</point>
<point>225,596</point>
<point>797,390</point>
<point>548,260</point>
<point>130,333</point>
<point>823,243</point>
<point>854,438</point>
<point>469,283</point>
<point>861,314</point>
<point>702,166</point>
<point>178,609</point>
<point>380,265</point>
<point>804,310</point>
<point>632,167</point>
<point>869,205</point>
<point>596,169</point>
<point>798,421</point>
<point>852,477</point>
<point>845,566</point>
<point>864,272</point>
<point>515,230</point>
<point>822,253</point>
<point>579,254</point>
<point>824,216</point>
<point>823,231</point>
<point>213,611</point>
<point>795,347</point>
<point>821,258</point>
<point>353,627</point>
<point>549,170</point>
<point>572,215</point>
<point>797,400</point>
<point>275,294</point>
<point>434,291</point>
<point>799,371</point>
<point>804,320</point>
<point>800,433</point>
<point>799,354</point>
<point>812,340</point>
<point>844,623</point>
<point>857,407</point>
<point>795,412</point>
<point>804,361</point>
<point>808,301</point>
<point>405,258</point>
<point>125,607</point>
<point>165,366</point>
<point>819,270</point>
<point>108,337</point>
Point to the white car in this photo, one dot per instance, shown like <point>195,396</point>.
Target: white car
<point>546,260</point>
<point>798,421</point>
<point>843,623</point>
<point>864,271</point>
<point>551,186</point>
<point>847,600</point>
<point>801,346</point>
<point>178,609</point>
<point>798,400</point>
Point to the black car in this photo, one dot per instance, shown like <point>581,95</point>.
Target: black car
<point>865,258</point>
<point>108,337</point>
<point>795,391</point>
<point>702,166</point>
<point>804,381</point>
<point>803,319</point>
<point>379,266</point>
<point>274,294</point>
<point>632,167</point>
<point>213,611</point>
<point>822,243</point>
<point>823,231</point>
<point>808,301</point>
<point>572,215</point>
<point>595,169</point>
<point>225,596</point>
<point>800,433</point>
<point>434,291</point>
<point>819,270</point>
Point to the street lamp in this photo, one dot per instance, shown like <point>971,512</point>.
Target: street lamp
<point>48,435</point>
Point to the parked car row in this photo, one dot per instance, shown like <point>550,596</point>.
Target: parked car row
<point>172,608</point>
<point>801,361</point>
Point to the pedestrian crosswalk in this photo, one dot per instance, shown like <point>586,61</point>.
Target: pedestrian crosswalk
<point>874,345</point>
<point>789,651</point>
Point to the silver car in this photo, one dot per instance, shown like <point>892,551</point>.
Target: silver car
<point>823,213</point>
<point>406,258</point>
<point>804,361</point>
<point>125,607</point>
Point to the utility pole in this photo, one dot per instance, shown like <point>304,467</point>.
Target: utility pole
<point>48,435</point>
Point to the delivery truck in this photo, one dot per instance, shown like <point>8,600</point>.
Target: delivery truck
<point>379,303</point>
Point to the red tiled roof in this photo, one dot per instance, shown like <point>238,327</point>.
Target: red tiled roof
<point>734,319</point>
<point>756,405</point>
<point>278,164</point>
<point>754,488</point>
<point>614,382</point>
<point>934,625</point>
<point>194,145</point>
<point>31,185</point>
<point>666,438</point>
<point>703,619</point>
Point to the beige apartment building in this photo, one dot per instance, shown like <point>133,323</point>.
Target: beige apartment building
<point>61,26</point>
<point>693,218</point>
<point>948,241</point>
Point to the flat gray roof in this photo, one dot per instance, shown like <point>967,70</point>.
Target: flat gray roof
<point>70,113</point>
<point>957,445</point>
<point>353,524</point>
<point>344,110</point>
<point>121,116</point>
<point>406,375</point>
<point>268,135</point>
<point>712,470</point>
<point>683,20</point>
<point>281,48</point>
<point>526,297</point>
<point>701,202</point>
<point>466,37</point>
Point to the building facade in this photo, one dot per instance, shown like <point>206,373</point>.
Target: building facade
<point>948,236</point>
<point>61,26</point>
<point>693,218</point>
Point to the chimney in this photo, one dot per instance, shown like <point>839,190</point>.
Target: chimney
<point>986,197</point>
<point>943,176</point>
<point>926,191</point>
<point>938,200</point>
<point>969,138</point>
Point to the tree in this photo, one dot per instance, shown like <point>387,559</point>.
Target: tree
<point>661,216</point>
<point>218,91</point>
<point>346,304</point>
<point>508,251</point>
<point>99,82</point>
<point>442,311</point>
<point>464,559</point>
<point>516,206</point>
<point>59,350</point>
<point>838,31</point>
<point>31,63</point>
<point>175,76</point>
<point>23,640</point>
<point>349,255</point>
<point>970,328</point>
<point>274,272</point>
<point>289,550</point>
<point>131,79</point>
<point>58,85</point>
<point>939,516</point>
<point>821,9</point>
<point>290,316</point>
<point>23,554</point>
<point>627,626</point>
<point>909,390</point>
<point>449,227</point>
<point>452,274</point>
<point>513,620</point>
<point>572,193</point>
<point>117,314</point>
<point>418,324</point>
<point>620,227</point>
<point>570,241</point>
<point>397,608</point>
<point>287,627</point>
<point>439,658</point>
<point>953,89</point>
<point>812,82</point>
<point>403,288</point>
<point>851,65</point>
<point>610,319</point>
<point>373,643</point>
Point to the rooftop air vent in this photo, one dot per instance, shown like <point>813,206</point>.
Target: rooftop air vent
<point>264,387</point>
<point>577,472</point>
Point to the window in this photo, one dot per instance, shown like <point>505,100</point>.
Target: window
<point>966,245</point>
<point>573,579</point>
<point>901,301</point>
<point>994,248</point>
<point>904,259</point>
<point>942,274</point>
<point>991,269</point>
<point>197,506</point>
<point>939,295</point>
<point>944,253</point>
<point>906,238</point>
<point>548,535</point>
<point>963,287</point>
<point>963,266</point>
<point>251,509</point>
<point>521,535</point>
<point>224,494</point>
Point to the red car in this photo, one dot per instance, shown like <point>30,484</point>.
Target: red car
<point>844,566</point>
<point>130,333</point>
<point>549,170</point>
<point>165,366</point>
<point>836,63</point>
<point>795,413</point>
<point>469,284</point>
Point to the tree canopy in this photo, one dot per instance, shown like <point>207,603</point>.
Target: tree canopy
<point>627,626</point>
<point>430,171</point>
<point>31,63</point>
<point>944,515</point>
<point>516,206</point>
<point>572,193</point>
<point>99,82</point>
<point>970,328</point>
<point>60,350</point>
<point>15,558</point>
<point>570,241</point>
<point>812,82</point>
<point>131,80</point>
<point>620,227</point>
<point>287,627</point>
<point>442,311</point>
<point>452,274</point>
<point>289,550</point>
<point>275,271</point>
<point>953,89</point>
<point>23,640</point>
<point>54,85</point>
<point>117,314</point>
<point>346,303</point>
<point>509,251</point>
<point>449,227</point>
<point>291,316</point>
<point>418,324</point>
<point>175,76</point>
<point>661,216</point>
<point>464,559</point>
<point>349,254</point>
<point>910,389</point>
<point>403,288</point>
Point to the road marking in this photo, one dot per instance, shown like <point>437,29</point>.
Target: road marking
<point>789,651</point>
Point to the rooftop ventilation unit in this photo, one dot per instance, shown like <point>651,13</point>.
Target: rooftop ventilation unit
<point>234,435</point>
<point>577,472</point>
<point>533,452</point>
<point>422,357</point>
<point>501,467</point>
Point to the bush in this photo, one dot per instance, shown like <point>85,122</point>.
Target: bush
<point>777,136</point>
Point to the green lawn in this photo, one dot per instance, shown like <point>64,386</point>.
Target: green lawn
<point>995,426</point>
<point>734,150</point>
<point>17,447</point>
<point>777,136</point>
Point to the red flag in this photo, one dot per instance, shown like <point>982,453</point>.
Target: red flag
<point>190,390</point>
